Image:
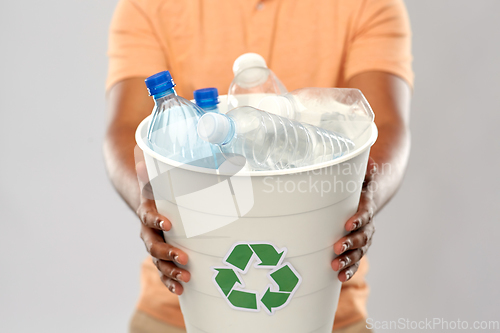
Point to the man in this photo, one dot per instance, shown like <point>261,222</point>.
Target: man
<point>362,44</point>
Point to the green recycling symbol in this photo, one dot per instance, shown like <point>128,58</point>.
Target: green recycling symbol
<point>283,277</point>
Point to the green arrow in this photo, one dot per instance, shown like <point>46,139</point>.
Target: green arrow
<point>226,279</point>
<point>243,299</point>
<point>240,256</point>
<point>285,278</point>
<point>274,300</point>
<point>267,254</point>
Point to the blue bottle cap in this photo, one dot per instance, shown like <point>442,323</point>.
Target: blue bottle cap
<point>207,97</point>
<point>159,83</point>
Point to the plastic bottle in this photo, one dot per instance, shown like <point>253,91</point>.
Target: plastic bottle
<point>252,81</point>
<point>207,99</point>
<point>341,110</point>
<point>172,130</point>
<point>270,142</point>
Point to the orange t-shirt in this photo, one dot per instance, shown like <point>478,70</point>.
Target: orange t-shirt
<point>320,43</point>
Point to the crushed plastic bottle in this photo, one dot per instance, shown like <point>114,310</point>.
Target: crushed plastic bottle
<point>172,129</point>
<point>270,142</point>
<point>252,81</point>
<point>340,110</point>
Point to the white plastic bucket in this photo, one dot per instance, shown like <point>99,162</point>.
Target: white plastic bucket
<point>295,217</point>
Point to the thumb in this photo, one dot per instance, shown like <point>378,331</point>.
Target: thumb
<point>371,169</point>
<point>142,175</point>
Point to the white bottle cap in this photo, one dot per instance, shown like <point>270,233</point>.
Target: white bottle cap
<point>248,60</point>
<point>250,70</point>
<point>213,127</point>
<point>278,105</point>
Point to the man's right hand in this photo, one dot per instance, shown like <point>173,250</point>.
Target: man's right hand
<point>153,224</point>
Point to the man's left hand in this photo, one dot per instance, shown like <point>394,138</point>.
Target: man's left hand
<point>352,247</point>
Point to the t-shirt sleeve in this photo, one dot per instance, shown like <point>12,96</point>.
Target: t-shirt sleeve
<point>381,40</point>
<point>134,49</point>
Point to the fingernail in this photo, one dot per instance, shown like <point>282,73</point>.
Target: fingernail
<point>344,247</point>
<point>355,225</point>
<point>348,275</point>
<point>172,288</point>
<point>176,259</point>
<point>161,225</point>
<point>178,277</point>
<point>344,262</point>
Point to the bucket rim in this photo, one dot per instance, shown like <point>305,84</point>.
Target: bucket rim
<point>141,142</point>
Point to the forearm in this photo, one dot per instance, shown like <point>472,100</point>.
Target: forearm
<point>128,105</point>
<point>390,153</point>
<point>119,159</point>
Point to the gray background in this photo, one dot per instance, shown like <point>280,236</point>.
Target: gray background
<point>70,250</point>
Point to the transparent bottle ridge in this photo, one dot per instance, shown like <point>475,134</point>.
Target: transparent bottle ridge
<point>172,129</point>
<point>341,110</point>
<point>252,80</point>
<point>271,142</point>
<point>207,99</point>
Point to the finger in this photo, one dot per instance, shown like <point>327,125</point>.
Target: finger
<point>150,217</point>
<point>347,274</point>
<point>169,269</point>
<point>364,215</point>
<point>349,258</point>
<point>355,240</point>
<point>156,246</point>
<point>172,285</point>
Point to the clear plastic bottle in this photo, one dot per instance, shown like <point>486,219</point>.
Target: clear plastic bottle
<point>207,99</point>
<point>341,110</point>
<point>270,142</point>
<point>252,81</point>
<point>172,130</point>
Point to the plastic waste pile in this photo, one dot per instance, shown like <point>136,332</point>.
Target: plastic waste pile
<point>271,128</point>
<point>340,110</point>
<point>270,142</point>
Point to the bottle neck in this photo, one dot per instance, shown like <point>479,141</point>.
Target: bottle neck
<point>212,108</point>
<point>164,94</point>
<point>231,133</point>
